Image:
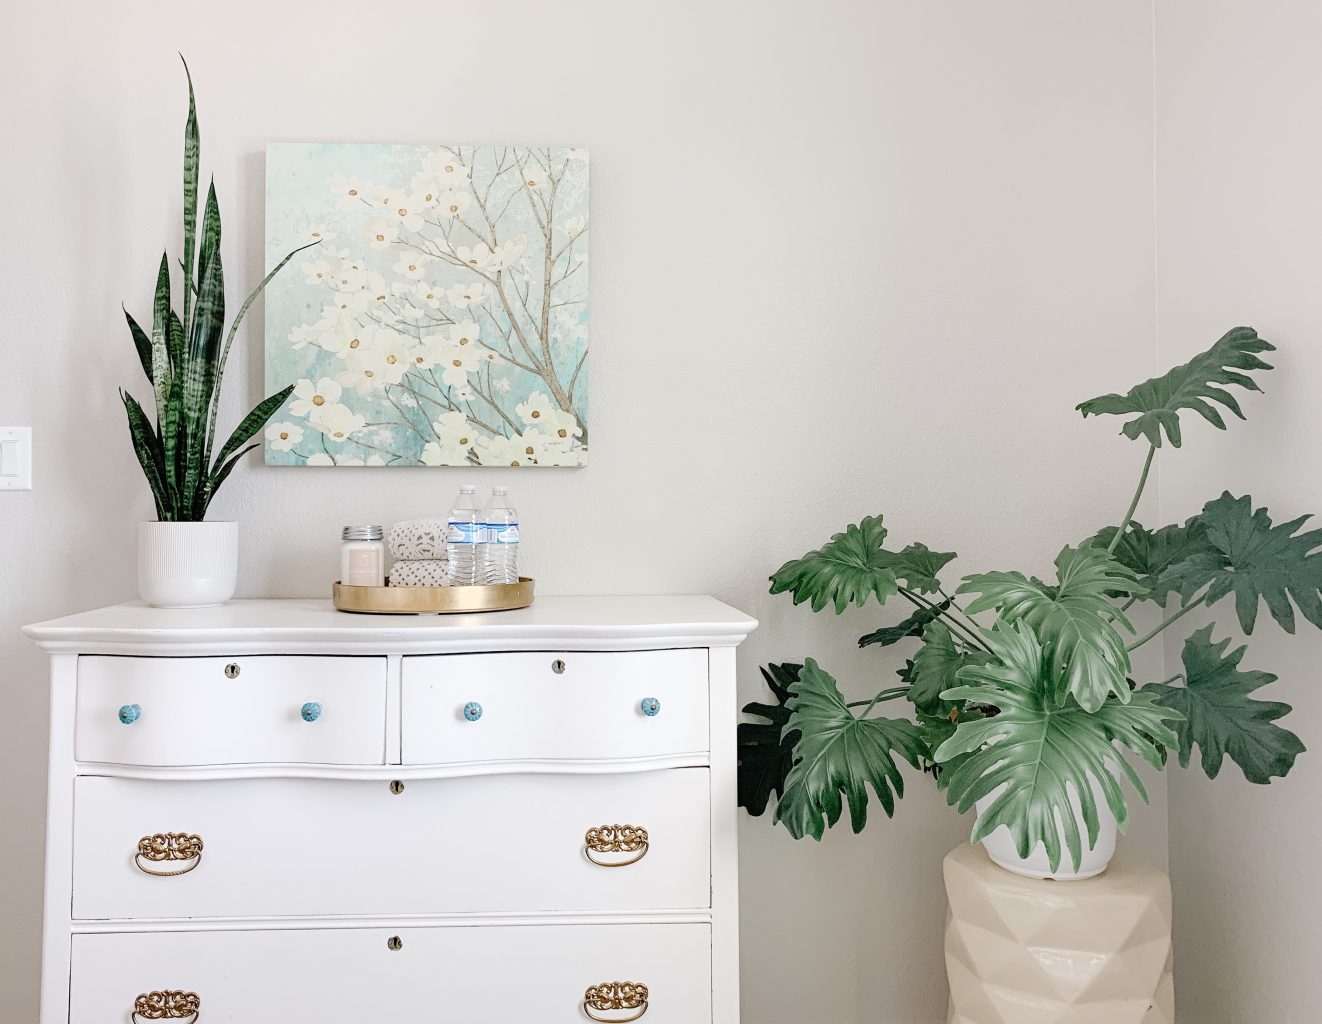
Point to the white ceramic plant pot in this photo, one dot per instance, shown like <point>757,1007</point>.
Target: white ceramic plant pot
<point>187,565</point>
<point>1001,849</point>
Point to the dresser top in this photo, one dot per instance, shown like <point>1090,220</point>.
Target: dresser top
<point>302,625</point>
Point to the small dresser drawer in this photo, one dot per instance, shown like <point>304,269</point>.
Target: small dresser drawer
<point>308,847</point>
<point>660,974</point>
<point>550,706</point>
<point>201,711</point>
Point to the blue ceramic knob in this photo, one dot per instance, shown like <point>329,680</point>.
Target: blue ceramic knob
<point>650,706</point>
<point>472,711</point>
<point>130,713</point>
<point>310,711</point>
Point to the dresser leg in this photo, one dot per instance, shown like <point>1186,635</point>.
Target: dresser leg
<point>56,921</point>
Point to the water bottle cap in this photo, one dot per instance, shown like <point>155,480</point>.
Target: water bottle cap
<point>468,489</point>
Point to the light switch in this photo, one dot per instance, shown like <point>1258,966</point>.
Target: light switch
<point>15,458</point>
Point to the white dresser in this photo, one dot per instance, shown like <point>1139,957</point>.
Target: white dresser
<point>276,813</point>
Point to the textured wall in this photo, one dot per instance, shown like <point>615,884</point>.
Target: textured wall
<point>1239,216</point>
<point>861,256</point>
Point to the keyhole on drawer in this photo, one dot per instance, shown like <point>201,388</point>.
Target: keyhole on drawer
<point>231,671</point>
<point>394,942</point>
<point>558,667</point>
<point>396,786</point>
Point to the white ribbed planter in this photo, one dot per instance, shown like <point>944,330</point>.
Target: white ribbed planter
<point>1001,849</point>
<point>187,565</point>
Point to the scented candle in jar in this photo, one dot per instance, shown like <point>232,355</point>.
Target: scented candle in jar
<point>363,557</point>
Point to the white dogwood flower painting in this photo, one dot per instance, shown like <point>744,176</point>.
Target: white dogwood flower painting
<point>442,318</point>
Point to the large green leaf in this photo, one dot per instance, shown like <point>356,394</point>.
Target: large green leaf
<point>766,750</point>
<point>1160,559</point>
<point>837,754</point>
<point>935,668</point>
<point>1034,753</point>
<point>1074,620</point>
<point>1220,715</point>
<point>854,566</point>
<point>1157,402</point>
<point>907,627</point>
<point>1255,560</point>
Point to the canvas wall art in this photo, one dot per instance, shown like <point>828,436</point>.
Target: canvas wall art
<point>442,317</point>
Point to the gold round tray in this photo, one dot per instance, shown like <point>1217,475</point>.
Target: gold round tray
<point>433,600</point>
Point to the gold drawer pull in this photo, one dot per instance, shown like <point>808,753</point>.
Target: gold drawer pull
<point>168,847</point>
<point>170,1005</point>
<point>615,995</point>
<point>615,839</point>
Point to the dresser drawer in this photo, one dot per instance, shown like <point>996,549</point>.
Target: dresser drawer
<point>196,711</point>
<point>496,975</point>
<point>554,706</point>
<point>309,847</point>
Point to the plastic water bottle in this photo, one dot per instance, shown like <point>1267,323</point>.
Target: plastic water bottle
<point>502,536</point>
<point>464,537</point>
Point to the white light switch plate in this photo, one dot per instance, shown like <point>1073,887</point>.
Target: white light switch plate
<point>15,458</point>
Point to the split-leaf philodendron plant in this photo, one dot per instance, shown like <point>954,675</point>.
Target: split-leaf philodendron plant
<point>1025,686</point>
<point>184,360</point>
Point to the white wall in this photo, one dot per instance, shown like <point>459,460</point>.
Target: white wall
<point>847,258</point>
<point>1239,218</point>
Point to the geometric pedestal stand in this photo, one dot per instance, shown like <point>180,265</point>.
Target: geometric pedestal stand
<point>1025,951</point>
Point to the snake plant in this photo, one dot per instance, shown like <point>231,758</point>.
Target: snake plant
<point>1021,688</point>
<point>184,358</point>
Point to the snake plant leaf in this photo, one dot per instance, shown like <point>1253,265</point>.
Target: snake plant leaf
<point>220,476</point>
<point>175,343</point>
<point>192,160</point>
<point>1221,717</point>
<point>1195,385</point>
<point>143,345</point>
<point>229,340</point>
<point>838,754</point>
<point>200,374</point>
<point>845,571</point>
<point>911,626</point>
<point>1074,619</point>
<point>1160,559</point>
<point>935,669</point>
<point>1034,754</point>
<point>172,447</point>
<point>147,447</point>
<point>1255,560</point>
<point>854,565</point>
<point>251,424</point>
<point>766,750</point>
<point>160,350</point>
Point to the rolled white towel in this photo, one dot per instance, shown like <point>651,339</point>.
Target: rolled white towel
<point>420,572</point>
<point>418,538</point>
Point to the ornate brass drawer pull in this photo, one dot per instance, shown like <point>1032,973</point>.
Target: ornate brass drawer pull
<point>168,847</point>
<point>615,995</point>
<point>615,839</point>
<point>170,1005</point>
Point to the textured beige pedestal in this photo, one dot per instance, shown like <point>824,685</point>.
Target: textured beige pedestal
<point>1024,951</point>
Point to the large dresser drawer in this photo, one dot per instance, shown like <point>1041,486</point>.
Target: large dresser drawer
<point>552,706</point>
<point>496,975</point>
<point>261,709</point>
<point>308,847</point>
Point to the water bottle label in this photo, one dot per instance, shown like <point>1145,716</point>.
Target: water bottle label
<point>506,534</point>
<point>465,533</point>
